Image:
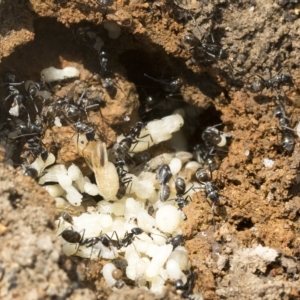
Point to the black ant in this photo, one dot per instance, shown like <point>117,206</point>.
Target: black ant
<point>31,172</point>
<point>199,47</point>
<point>188,287</point>
<point>123,180</point>
<point>90,242</point>
<point>176,241</point>
<point>66,109</point>
<point>163,175</point>
<point>171,86</point>
<point>212,138</point>
<point>36,89</point>
<point>163,103</point>
<point>17,106</point>
<point>109,86</point>
<point>88,37</point>
<point>105,3</point>
<point>103,60</point>
<point>36,148</point>
<point>157,107</point>
<point>276,81</point>
<point>73,237</point>
<point>30,129</point>
<point>180,187</point>
<point>203,156</point>
<point>211,191</point>
<point>121,149</point>
<point>9,79</point>
<point>212,50</point>
<point>86,129</point>
<point>287,139</point>
<point>128,238</point>
<point>286,2</point>
<point>141,158</point>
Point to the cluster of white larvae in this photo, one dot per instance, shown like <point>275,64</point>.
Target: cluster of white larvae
<point>151,258</point>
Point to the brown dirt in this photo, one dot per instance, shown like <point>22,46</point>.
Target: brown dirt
<point>259,205</point>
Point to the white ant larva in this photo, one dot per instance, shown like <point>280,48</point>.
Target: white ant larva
<point>95,155</point>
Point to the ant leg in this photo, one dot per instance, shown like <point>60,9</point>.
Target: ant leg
<point>117,237</point>
<point>141,141</point>
<point>36,109</point>
<point>128,181</point>
<point>154,79</point>
<point>212,151</point>
<point>99,253</point>
<point>8,97</point>
<point>199,28</point>
<point>213,215</point>
<point>261,78</point>
<point>58,225</point>
<point>199,187</point>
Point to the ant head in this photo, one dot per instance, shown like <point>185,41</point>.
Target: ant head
<point>31,172</point>
<point>287,79</point>
<point>150,101</point>
<point>67,217</point>
<point>9,77</point>
<point>139,124</point>
<point>44,154</point>
<point>190,40</point>
<point>175,85</point>
<point>216,140</point>
<point>179,285</point>
<point>137,230</point>
<point>19,99</point>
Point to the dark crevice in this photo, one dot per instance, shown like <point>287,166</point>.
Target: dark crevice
<point>244,224</point>
<point>14,198</point>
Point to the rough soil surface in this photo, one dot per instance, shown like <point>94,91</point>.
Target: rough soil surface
<point>259,205</point>
<point>31,263</point>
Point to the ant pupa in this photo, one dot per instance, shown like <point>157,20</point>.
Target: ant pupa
<point>95,154</point>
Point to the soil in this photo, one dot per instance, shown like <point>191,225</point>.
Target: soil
<point>259,204</point>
